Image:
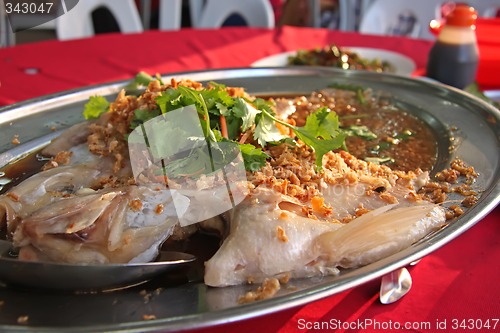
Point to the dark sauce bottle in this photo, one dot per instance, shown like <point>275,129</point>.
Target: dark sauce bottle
<point>454,58</point>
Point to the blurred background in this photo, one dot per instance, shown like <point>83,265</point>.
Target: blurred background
<point>285,12</point>
<point>391,17</point>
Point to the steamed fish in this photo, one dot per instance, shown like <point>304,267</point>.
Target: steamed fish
<point>309,208</point>
<point>41,190</point>
<point>108,226</point>
<point>268,241</point>
<point>353,213</point>
<point>65,215</point>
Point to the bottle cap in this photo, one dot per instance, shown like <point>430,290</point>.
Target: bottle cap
<point>462,16</point>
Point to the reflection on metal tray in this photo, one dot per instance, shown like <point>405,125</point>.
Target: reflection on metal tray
<point>182,301</point>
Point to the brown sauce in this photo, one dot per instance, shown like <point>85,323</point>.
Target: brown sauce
<point>20,170</point>
<point>403,141</point>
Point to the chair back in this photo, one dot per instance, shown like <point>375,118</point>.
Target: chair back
<point>406,18</point>
<point>170,14</point>
<point>351,12</point>
<point>7,37</point>
<point>256,13</point>
<point>77,23</point>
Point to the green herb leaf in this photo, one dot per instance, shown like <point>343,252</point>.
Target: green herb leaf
<point>266,130</point>
<point>141,116</point>
<point>262,104</point>
<point>359,90</point>
<point>202,107</point>
<point>196,163</point>
<point>474,89</point>
<point>321,132</point>
<point>221,94</point>
<point>96,106</point>
<point>379,160</point>
<point>242,109</point>
<point>223,109</point>
<point>171,99</point>
<point>253,158</point>
<point>168,148</point>
<point>141,80</point>
<point>361,131</point>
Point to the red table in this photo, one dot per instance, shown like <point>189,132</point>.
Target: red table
<point>455,284</point>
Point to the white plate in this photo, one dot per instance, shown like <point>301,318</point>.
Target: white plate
<point>402,64</point>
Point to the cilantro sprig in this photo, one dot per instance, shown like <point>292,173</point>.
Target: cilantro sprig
<point>219,112</point>
<point>359,90</point>
<point>361,131</point>
<point>96,106</point>
<point>141,80</point>
<point>321,132</point>
<point>253,157</point>
<point>225,118</point>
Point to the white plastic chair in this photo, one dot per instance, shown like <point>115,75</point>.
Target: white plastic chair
<point>170,14</point>
<point>77,23</point>
<point>382,16</point>
<point>195,9</point>
<point>256,13</point>
<point>7,37</point>
<point>351,12</point>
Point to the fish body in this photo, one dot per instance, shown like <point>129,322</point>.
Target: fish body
<point>64,214</point>
<point>295,221</point>
<point>41,190</point>
<point>266,240</point>
<point>121,225</point>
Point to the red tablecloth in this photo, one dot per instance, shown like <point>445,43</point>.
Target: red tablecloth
<point>72,64</point>
<point>452,286</point>
<point>488,35</point>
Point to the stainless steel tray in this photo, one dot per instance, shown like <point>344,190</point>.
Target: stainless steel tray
<point>188,303</point>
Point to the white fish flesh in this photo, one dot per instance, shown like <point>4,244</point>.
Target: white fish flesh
<point>256,248</point>
<point>107,226</point>
<point>378,234</point>
<point>55,215</point>
<point>42,189</point>
<point>266,240</point>
<point>69,138</point>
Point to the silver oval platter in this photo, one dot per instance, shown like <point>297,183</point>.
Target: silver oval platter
<point>182,301</point>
